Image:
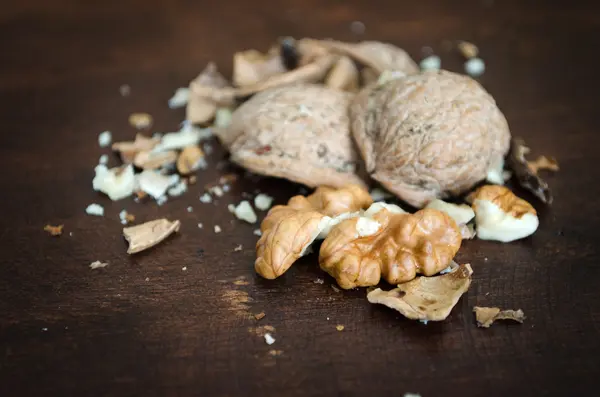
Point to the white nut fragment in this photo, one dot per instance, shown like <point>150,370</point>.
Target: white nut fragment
<point>104,139</point>
<point>429,135</point>
<point>462,214</point>
<point>367,227</point>
<point>206,198</point>
<point>223,117</point>
<point>140,120</point>
<point>269,339</point>
<point>147,235</point>
<point>117,183</point>
<point>187,136</point>
<point>432,62</point>
<point>95,209</point>
<point>155,183</point>
<point>103,159</point>
<point>98,265</point>
<point>376,207</point>
<point>475,67</point>
<point>129,149</point>
<point>426,298</point>
<point>502,216</point>
<point>178,190</point>
<point>263,202</point>
<point>180,98</point>
<point>496,173</point>
<point>244,212</point>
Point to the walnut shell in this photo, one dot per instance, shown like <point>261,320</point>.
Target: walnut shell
<point>298,132</point>
<point>429,135</point>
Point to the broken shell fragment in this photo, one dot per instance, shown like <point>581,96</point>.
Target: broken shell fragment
<point>502,216</point>
<point>117,183</point>
<point>150,160</point>
<point>147,235</point>
<point>426,298</point>
<point>201,109</point>
<point>54,230</point>
<point>526,172</point>
<point>373,54</point>
<point>190,159</point>
<point>486,316</point>
<point>343,75</point>
<point>298,132</point>
<point>252,67</point>
<point>129,149</point>
<point>428,135</point>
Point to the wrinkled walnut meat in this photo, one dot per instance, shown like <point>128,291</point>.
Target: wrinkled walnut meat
<point>426,298</point>
<point>526,172</point>
<point>502,216</point>
<point>398,247</point>
<point>288,230</point>
<point>485,316</point>
<point>298,132</point>
<point>429,135</point>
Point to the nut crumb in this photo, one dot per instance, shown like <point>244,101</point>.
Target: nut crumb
<point>98,265</point>
<point>263,202</point>
<point>275,353</point>
<point>486,316</point>
<point>140,120</point>
<point>184,268</point>
<point>241,282</point>
<point>217,229</point>
<point>124,90</point>
<point>200,225</point>
<point>319,281</point>
<point>269,339</point>
<point>54,230</point>
<point>336,289</point>
<point>95,209</point>
<point>238,248</point>
<point>259,316</point>
<point>105,138</point>
<point>339,327</point>
<point>257,232</point>
<point>468,50</point>
<point>206,198</point>
<point>147,279</point>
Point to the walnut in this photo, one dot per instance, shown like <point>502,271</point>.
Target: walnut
<point>298,132</point>
<point>397,248</point>
<point>426,298</point>
<point>502,216</point>
<point>288,230</point>
<point>372,54</point>
<point>428,135</point>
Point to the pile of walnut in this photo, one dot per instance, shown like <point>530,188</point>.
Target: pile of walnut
<point>337,116</point>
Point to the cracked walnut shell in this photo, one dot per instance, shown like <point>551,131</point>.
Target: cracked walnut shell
<point>429,135</point>
<point>299,132</point>
<point>404,245</point>
<point>288,230</point>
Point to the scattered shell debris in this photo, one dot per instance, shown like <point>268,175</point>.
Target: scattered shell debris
<point>217,229</point>
<point>339,327</point>
<point>275,353</point>
<point>259,316</point>
<point>319,281</point>
<point>468,50</point>
<point>486,316</point>
<point>238,248</point>
<point>54,230</point>
<point>147,235</point>
<point>98,265</point>
<point>95,209</point>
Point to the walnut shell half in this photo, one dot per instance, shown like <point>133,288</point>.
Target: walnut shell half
<point>429,135</point>
<point>298,132</point>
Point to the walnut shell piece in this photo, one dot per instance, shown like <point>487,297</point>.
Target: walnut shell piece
<point>426,298</point>
<point>298,132</point>
<point>404,245</point>
<point>502,216</point>
<point>251,66</point>
<point>288,230</point>
<point>428,135</point>
<point>200,109</point>
<point>147,235</point>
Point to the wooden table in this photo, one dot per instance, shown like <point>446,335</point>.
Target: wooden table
<point>145,326</point>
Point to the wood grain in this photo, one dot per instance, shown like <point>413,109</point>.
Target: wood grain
<point>143,326</point>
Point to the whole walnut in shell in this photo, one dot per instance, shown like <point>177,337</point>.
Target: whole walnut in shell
<point>397,247</point>
<point>298,132</point>
<point>429,135</point>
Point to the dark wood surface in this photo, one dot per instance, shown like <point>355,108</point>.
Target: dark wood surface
<point>144,327</point>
